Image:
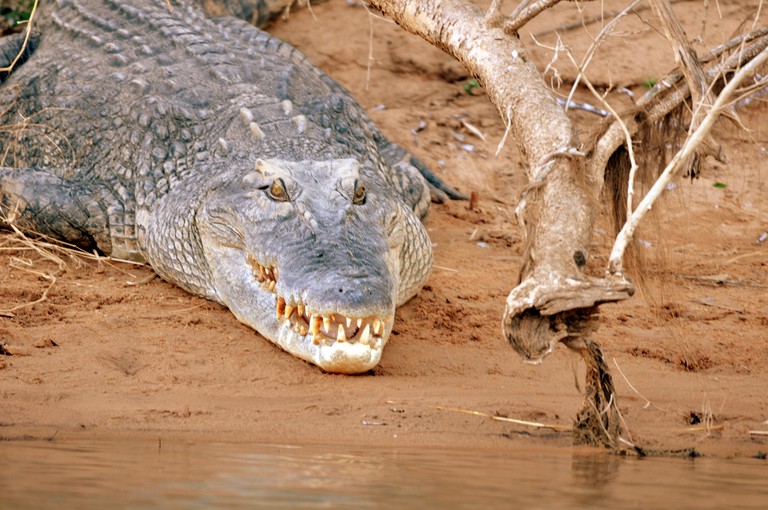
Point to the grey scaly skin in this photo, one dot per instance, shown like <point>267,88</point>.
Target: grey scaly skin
<point>223,158</point>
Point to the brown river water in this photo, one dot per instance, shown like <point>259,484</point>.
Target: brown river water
<point>150,474</point>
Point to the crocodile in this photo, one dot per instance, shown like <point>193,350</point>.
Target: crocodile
<point>224,159</point>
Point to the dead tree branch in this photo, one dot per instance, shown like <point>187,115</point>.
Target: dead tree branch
<point>691,143</point>
<point>527,14</point>
<point>669,93</point>
<point>562,197</point>
<point>554,301</point>
<point>685,57</point>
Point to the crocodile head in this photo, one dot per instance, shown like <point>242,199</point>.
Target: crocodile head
<point>311,256</point>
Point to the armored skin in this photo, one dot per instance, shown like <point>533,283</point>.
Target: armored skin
<point>223,158</point>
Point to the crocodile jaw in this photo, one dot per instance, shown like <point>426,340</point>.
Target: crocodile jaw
<point>333,341</point>
<point>334,348</point>
<point>338,342</point>
<point>336,357</point>
<point>343,357</point>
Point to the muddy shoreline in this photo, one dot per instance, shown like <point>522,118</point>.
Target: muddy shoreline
<point>112,353</point>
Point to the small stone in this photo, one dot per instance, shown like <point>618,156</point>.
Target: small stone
<point>45,343</point>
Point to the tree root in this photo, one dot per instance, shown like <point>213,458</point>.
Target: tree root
<point>598,423</point>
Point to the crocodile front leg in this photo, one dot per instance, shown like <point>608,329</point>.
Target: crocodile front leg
<point>75,212</point>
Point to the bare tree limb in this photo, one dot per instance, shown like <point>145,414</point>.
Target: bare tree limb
<point>691,143</point>
<point>525,15</point>
<point>667,95</point>
<point>687,61</point>
<point>562,196</point>
<point>494,11</point>
<point>585,61</point>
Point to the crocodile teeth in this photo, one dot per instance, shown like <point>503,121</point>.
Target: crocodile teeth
<point>265,275</point>
<point>314,325</point>
<point>365,335</point>
<point>319,329</point>
<point>324,330</point>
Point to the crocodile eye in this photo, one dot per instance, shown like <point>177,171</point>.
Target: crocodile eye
<point>277,191</point>
<point>359,196</point>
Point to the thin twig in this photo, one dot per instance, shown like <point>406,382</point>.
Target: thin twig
<point>685,58</point>
<point>517,10</point>
<point>494,11</point>
<point>582,67</point>
<point>27,33</point>
<point>506,131</point>
<point>370,48</point>
<point>719,280</point>
<point>518,19</point>
<point>43,296</point>
<point>703,428</point>
<point>311,11</point>
<point>504,419</point>
<point>743,255</point>
<point>689,146</point>
<point>647,402</point>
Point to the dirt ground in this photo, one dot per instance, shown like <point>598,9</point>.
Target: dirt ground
<point>110,352</point>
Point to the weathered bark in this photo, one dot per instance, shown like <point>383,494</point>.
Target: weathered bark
<point>562,196</point>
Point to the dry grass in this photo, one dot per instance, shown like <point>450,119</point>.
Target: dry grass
<point>45,258</point>
<point>526,423</point>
